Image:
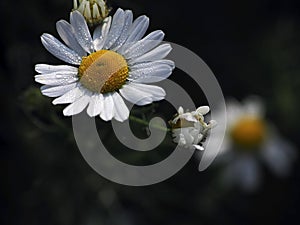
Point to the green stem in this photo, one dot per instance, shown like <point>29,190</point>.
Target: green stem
<point>143,122</point>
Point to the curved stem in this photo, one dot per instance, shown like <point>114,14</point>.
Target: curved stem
<point>143,122</point>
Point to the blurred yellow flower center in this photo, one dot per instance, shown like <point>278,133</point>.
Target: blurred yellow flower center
<point>248,132</point>
<point>103,71</point>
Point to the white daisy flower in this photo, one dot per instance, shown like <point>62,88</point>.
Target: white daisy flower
<point>250,140</point>
<point>115,62</point>
<point>94,11</point>
<point>189,128</point>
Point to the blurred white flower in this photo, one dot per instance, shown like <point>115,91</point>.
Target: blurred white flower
<point>249,141</point>
<point>94,11</point>
<point>115,62</point>
<point>189,128</point>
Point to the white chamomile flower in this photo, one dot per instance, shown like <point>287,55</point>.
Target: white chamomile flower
<point>115,62</point>
<point>94,11</point>
<point>250,140</point>
<point>189,128</point>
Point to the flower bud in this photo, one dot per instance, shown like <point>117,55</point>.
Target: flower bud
<point>189,129</point>
<point>94,11</point>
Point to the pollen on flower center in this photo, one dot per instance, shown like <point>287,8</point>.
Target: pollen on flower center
<point>248,132</point>
<point>103,71</point>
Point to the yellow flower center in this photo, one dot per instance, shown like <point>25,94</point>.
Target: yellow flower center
<point>103,71</point>
<point>248,132</point>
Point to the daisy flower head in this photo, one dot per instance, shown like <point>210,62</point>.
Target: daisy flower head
<point>115,62</point>
<point>94,11</point>
<point>251,143</point>
<point>189,129</point>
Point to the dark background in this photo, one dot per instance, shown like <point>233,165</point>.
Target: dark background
<point>252,46</point>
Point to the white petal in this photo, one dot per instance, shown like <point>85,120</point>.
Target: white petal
<point>138,29</point>
<point>98,31</point>
<point>249,174</point>
<point>203,110</point>
<point>158,53</point>
<point>121,110</point>
<point>59,50</point>
<point>150,74</point>
<point>54,91</point>
<point>212,124</point>
<point>182,141</point>
<point>125,31</point>
<point>234,111</point>
<point>198,147</point>
<point>57,78</point>
<point>189,139</point>
<point>279,156</point>
<point>100,41</point>
<point>116,28</point>
<point>167,62</point>
<point>175,135</point>
<point>44,68</point>
<point>254,106</point>
<point>135,96</point>
<point>198,137</point>
<point>142,65</point>
<point>108,108</point>
<point>96,105</point>
<point>189,117</point>
<point>66,32</point>
<point>82,32</point>
<point>156,93</point>
<point>146,44</point>
<point>141,94</point>
<point>77,107</point>
<point>183,137</point>
<point>71,96</point>
<point>195,132</point>
<point>242,171</point>
<point>180,110</point>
